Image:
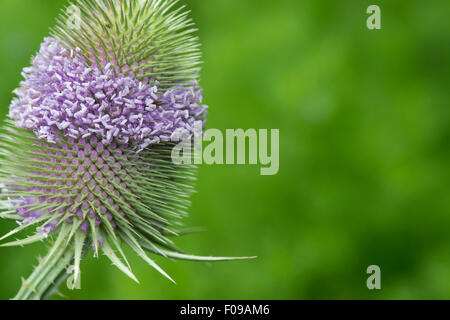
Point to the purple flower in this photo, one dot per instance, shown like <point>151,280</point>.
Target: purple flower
<point>63,96</point>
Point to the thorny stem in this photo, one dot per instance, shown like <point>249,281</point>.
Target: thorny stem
<point>47,276</point>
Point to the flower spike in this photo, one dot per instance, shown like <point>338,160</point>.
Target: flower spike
<point>85,156</point>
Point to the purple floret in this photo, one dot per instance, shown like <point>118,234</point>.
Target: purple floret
<point>62,95</point>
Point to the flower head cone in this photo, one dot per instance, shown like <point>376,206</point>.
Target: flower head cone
<point>86,152</point>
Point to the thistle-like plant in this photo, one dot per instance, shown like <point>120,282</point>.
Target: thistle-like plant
<point>86,151</point>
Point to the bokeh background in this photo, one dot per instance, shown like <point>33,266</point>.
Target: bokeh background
<point>364,175</point>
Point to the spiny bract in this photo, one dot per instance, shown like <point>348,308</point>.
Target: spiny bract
<point>86,152</point>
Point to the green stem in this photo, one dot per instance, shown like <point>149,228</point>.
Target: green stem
<point>47,276</point>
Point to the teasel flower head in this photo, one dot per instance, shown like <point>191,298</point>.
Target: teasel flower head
<point>86,151</point>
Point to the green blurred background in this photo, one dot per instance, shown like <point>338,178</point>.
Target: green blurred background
<point>364,175</point>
